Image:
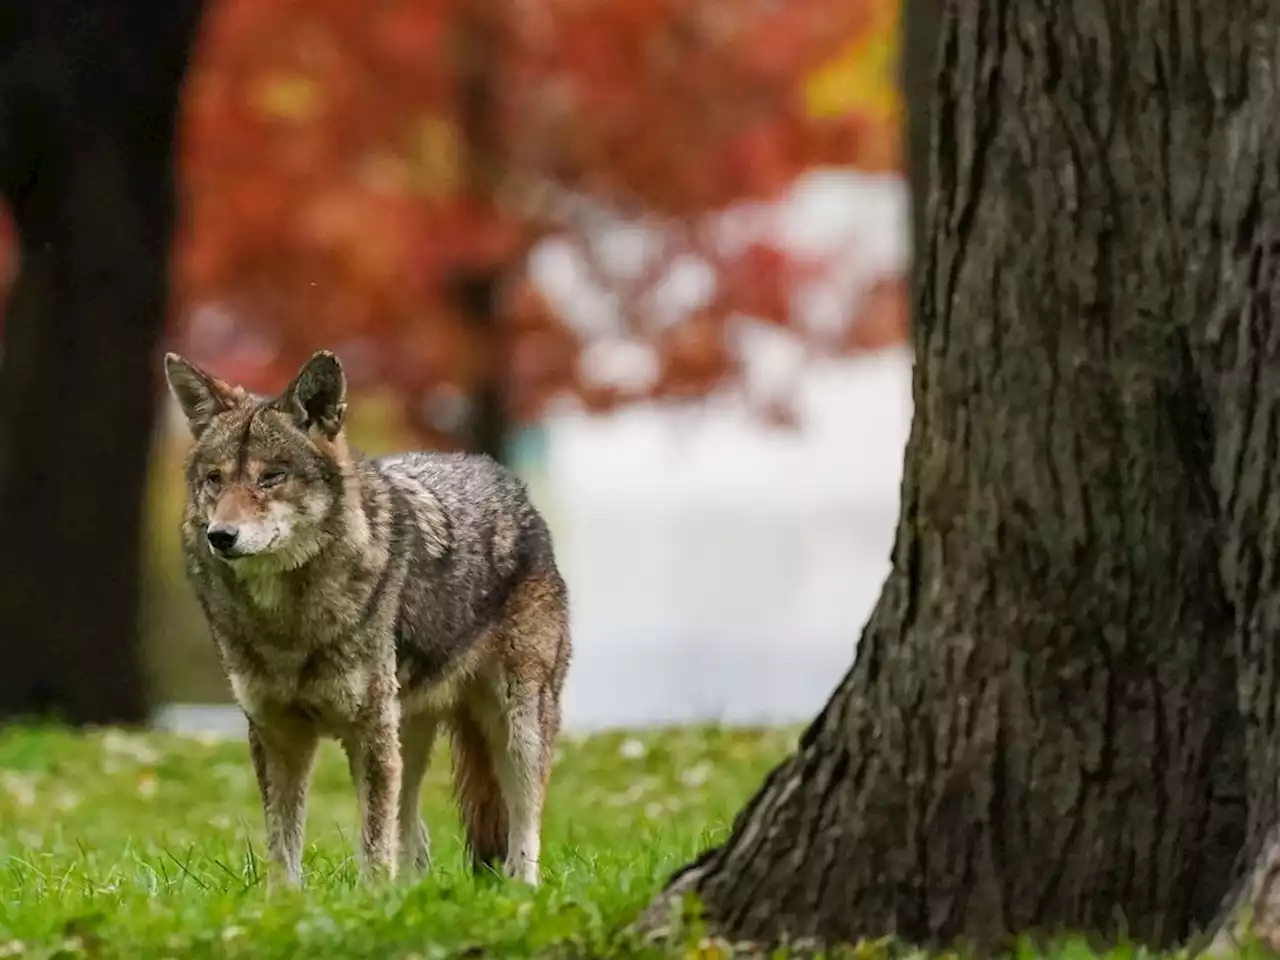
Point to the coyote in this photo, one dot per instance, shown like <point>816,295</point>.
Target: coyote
<point>372,601</point>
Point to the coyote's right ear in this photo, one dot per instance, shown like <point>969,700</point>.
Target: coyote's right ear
<point>200,395</point>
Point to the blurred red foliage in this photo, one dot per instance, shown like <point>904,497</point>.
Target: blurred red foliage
<point>345,165</point>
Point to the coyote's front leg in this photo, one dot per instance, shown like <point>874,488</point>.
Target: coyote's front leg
<point>373,753</point>
<point>282,760</point>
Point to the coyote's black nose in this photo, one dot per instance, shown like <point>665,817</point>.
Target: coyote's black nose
<point>222,537</point>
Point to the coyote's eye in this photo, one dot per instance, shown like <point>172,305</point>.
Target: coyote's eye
<point>271,478</point>
<point>213,480</point>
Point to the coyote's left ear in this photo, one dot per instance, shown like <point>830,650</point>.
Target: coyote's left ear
<point>317,397</point>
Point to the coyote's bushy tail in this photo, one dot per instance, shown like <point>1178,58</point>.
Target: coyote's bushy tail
<point>480,802</point>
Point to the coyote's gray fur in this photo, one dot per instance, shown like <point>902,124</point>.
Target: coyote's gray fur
<point>374,601</point>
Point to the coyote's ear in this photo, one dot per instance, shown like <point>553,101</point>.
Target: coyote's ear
<point>317,397</point>
<point>200,395</point>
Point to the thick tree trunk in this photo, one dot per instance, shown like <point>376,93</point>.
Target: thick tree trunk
<point>1042,728</point>
<point>88,101</point>
<point>919,23</point>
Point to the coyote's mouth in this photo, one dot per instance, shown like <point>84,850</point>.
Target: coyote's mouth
<point>234,553</point>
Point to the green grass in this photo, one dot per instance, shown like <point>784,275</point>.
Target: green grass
<point>118,845</point>
<point>121,845</point>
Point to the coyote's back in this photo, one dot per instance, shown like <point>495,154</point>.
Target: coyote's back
<point>374,601</point>
<point>473,543</point>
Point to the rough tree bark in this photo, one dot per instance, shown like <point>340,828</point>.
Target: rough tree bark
<point>1062,713</point>
<point>88,101</point>
<point>918,26</point>
<point>1239,332</point>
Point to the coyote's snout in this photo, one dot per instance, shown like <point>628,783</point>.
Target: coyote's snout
<point>376,602</point>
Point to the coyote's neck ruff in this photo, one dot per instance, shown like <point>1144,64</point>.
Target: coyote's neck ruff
<point>374,601</point>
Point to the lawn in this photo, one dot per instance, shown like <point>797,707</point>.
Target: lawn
<point>119,845</point>
<point>126,845</point>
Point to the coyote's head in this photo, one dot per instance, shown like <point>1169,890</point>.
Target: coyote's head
<point>264,475</point>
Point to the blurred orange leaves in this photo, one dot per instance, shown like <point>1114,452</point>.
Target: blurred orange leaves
<point>343,169</point>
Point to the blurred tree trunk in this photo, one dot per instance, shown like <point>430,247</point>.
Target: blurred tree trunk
<point>479,293</point>
<point>1042,728</point>
<point>88,103</point>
